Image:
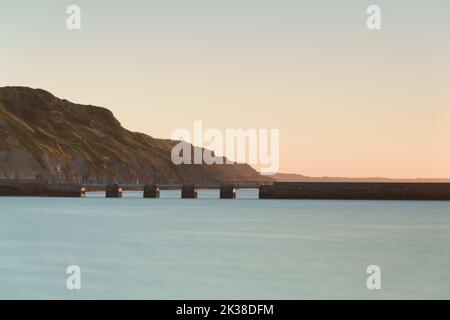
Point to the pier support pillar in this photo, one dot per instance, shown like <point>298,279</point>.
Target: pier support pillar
<point>188,192</point>
<point>113,191</point>
<point>151,191</point>
<point>227,192</point>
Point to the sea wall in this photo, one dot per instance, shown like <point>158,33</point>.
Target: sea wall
<point>41,190</point>
<point>356,191</point>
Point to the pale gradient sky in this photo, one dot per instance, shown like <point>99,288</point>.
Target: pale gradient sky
<point>348,101</point>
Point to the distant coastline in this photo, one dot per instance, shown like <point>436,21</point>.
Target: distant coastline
<point>293,177</point>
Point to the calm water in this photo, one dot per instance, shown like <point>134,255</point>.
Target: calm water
<point>231,249</point>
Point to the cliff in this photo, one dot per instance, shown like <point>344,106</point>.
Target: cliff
<point>49,140</point>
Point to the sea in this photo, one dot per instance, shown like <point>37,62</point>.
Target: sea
<point>208,248</point>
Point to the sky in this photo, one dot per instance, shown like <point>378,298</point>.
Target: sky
<point>348,101</point>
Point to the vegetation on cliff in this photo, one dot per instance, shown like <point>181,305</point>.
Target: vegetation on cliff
<point>48,139</point>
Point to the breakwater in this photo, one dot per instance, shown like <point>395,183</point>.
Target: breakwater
<point>356,191</point>
<point>41,190</point>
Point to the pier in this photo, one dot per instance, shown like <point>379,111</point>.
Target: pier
<point>267,190</point>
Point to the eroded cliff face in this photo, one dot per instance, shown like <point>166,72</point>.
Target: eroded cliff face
<point>47,139</point>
